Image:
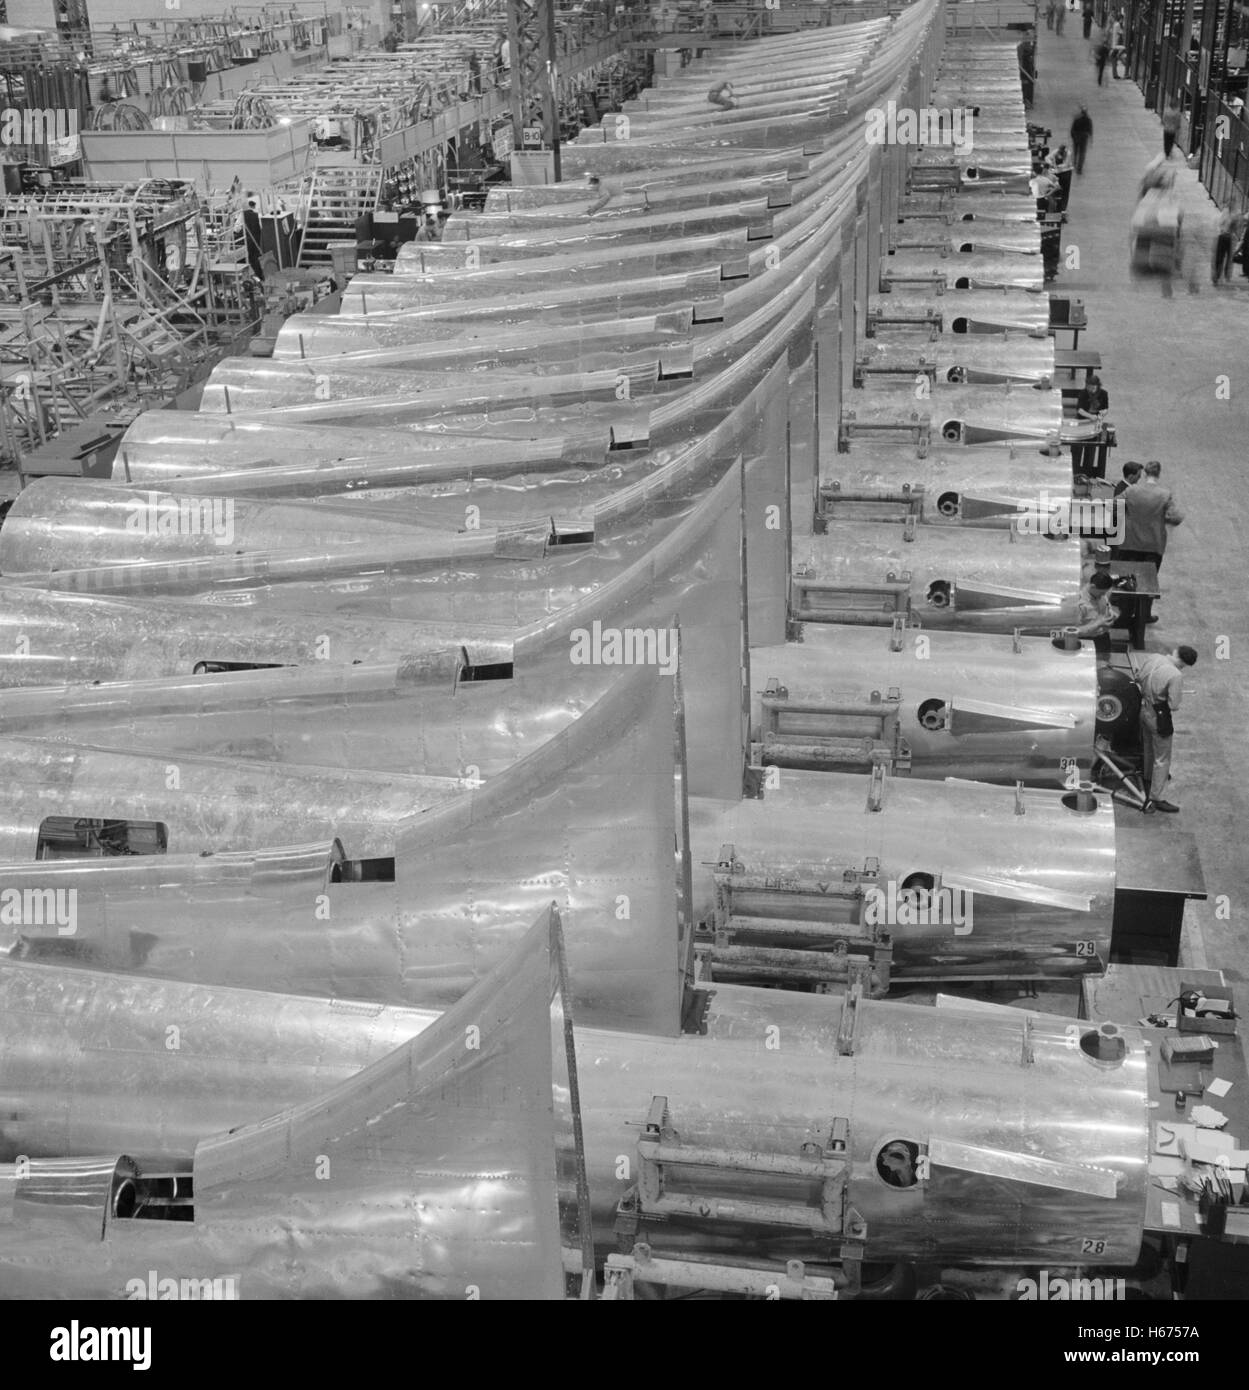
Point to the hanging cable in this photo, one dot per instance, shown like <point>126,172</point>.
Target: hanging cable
<point>252,112</point>
<point>118,115</point>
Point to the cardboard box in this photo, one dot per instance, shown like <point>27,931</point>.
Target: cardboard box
<point>1188,1022</point>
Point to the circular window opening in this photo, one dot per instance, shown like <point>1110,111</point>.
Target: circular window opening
<point>931,715</point>
<point>967,248</point>
<point>917,889</point>
<point>897,1163</point>
<point>938,595</point>
<point>952,431</point>
<point>960,325</point>
<point>1105,1044</point>
<point>948,503</point>
<point>1083,801</point>
<point>963,283</point>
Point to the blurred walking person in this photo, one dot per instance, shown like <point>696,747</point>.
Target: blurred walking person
<point>1081,138</point>
<point>1224,245</point>
<point>1170,127</point>
<point>1158,174</point>
<point>1157,226</point>
<point>1101,56</point>
<point>1051,10</point>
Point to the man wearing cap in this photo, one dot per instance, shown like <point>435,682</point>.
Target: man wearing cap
<point>1159,677</point>
<point>1095,615</point>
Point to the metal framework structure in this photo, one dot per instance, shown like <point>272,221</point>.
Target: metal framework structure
<point>112,293</point>
<point>531,35</point>
<point>74,23</point>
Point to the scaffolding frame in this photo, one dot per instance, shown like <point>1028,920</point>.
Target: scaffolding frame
<point>112,294</point>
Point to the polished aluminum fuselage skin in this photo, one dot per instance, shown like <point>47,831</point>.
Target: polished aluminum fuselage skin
<point>767,1078</point>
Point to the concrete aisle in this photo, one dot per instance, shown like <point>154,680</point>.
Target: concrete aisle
<point>1162,361</point>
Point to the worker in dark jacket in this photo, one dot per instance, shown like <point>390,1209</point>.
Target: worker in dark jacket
<point>1063,170</point>
<point>1131,474</point>
<point>252,238</point>
<point>1026,52</point>
<point>1091,406</point>
<point>1081,137</point>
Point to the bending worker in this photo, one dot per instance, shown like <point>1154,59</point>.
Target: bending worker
<point>1159,676</point>
<point>722,96</point>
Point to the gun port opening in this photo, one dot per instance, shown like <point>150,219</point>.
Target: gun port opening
<point>90,837</point>
<point>363,871</point>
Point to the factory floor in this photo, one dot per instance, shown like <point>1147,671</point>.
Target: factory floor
<point>1162,363</point>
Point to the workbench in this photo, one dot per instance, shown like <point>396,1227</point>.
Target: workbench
<point>1126,994</point>
<point>85,450</point>
<point>1070,361</point>
<point>1068,364</point>
<point>1157,870</point>
<point>1137,604</point>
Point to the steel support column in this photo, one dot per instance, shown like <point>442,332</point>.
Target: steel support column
<point>74,23</point>
<point>531,39</point>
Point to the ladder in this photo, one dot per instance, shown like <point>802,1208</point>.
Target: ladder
<point>337,198</point>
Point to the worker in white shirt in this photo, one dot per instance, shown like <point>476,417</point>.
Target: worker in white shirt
<point>1159,677</point>
<point>1095,614</point>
